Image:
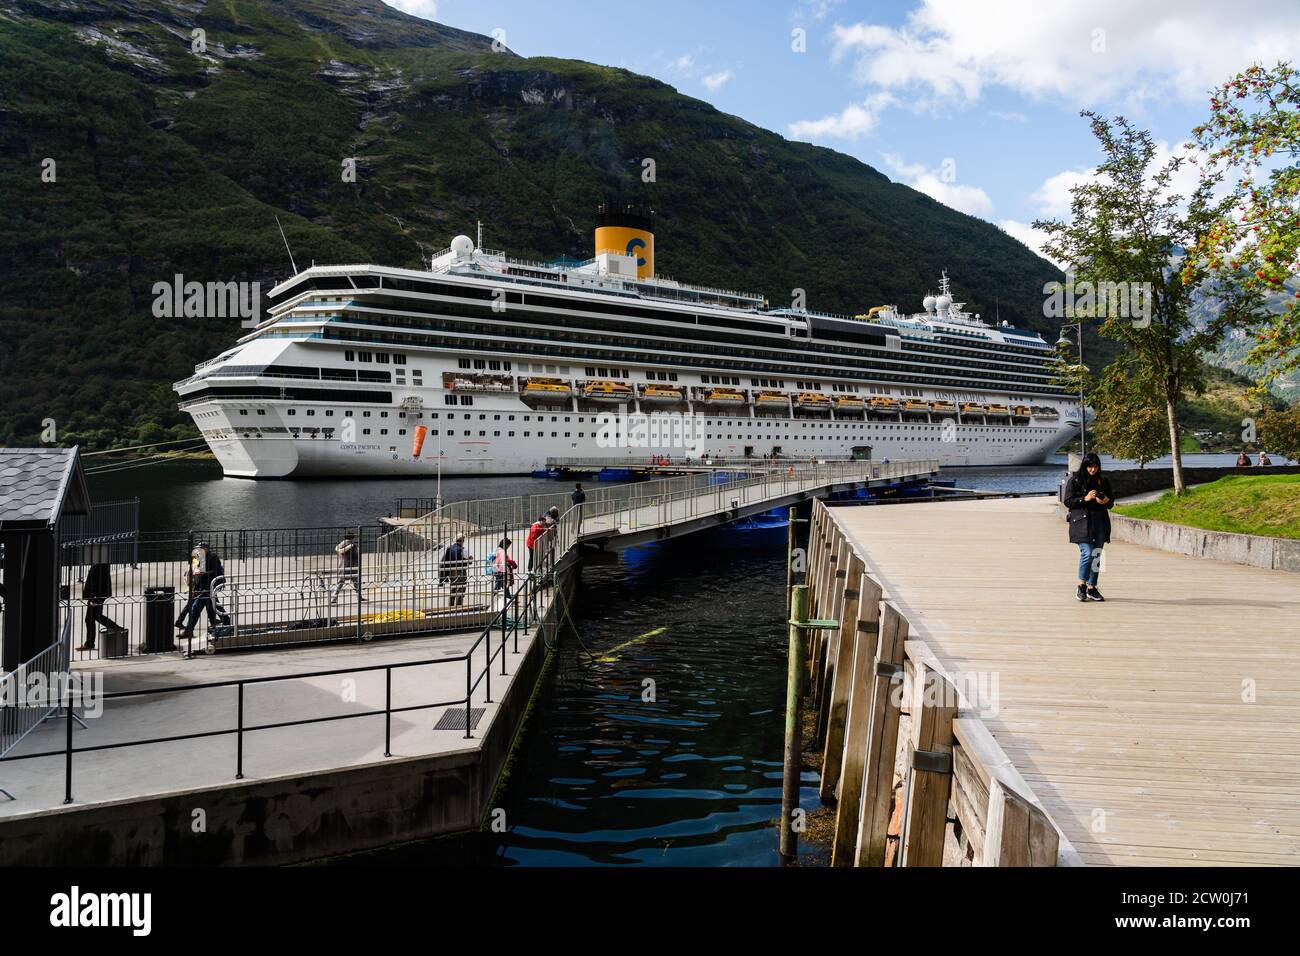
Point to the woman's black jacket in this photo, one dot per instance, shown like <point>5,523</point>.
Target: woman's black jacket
<point>1088,520</point>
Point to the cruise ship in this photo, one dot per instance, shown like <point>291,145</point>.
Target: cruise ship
<point>483,364</point>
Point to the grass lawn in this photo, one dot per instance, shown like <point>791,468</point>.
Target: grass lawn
<point>1244,504</point>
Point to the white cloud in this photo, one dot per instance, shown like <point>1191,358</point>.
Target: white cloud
<point>1009,116</point>
<point>684,65</point>
<point>1053,197</point>
<point>853,122</point>
<point>817,9</point>
<point>940,184</point>
<point>1031,237</point>
<point>427,9</point>
<point>716,81</point>
<point>1132,51</point>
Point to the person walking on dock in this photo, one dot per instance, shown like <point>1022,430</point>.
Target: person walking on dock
<point>1089,498</point>
<point>1264,460</point>
<point>205,567</point>
<point>455,569</point>
<point>579,498</point>
<point>98,587</point>
<point>349,554</point>
<point>1243,460</point>
<point>503,567</point>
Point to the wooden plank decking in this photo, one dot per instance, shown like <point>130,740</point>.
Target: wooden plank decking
<point>1161,727</point>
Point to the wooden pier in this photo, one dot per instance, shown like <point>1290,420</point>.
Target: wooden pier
<point>1155,728</point>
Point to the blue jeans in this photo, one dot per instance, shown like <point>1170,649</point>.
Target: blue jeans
<point>1089,562</point>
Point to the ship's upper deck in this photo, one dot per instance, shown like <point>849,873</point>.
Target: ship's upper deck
<point>614,276</point>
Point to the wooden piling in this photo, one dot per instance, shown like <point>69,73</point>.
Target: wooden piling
<point>858,723</point>
<point>826,642</point>
<point>793,769</point>
<point>882,741</point>
<point>842,680</point>
<point>933,707</point>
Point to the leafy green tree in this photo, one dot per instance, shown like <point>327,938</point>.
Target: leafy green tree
<point>1126,233</point>
<point>1279,432</point>
<point>1131,420</point>
<point>1254,132</point>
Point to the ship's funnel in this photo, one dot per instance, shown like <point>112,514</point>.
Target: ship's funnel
<point>626,230</point>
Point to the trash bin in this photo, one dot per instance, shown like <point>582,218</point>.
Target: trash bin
<point>159,619</point>
<point>113,642</point>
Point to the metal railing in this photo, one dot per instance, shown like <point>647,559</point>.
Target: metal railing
<point>661,501</point>
<point>281,586</point>
<point>42,676</point>
<point>669,461</point>
<point>522,609</point>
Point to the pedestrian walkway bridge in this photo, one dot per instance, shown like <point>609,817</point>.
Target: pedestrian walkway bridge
<point>627,515</point>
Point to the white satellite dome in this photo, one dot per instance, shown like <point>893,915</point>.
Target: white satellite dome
<point>462,246</point>
<point>928,303</point>
<point>942,302</point>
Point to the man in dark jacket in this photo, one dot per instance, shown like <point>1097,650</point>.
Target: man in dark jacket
<point>205,567</point>
<point>96,590</point>
<point>455,570</point>
<point>1089,498</point>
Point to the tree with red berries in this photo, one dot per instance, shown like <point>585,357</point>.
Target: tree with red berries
<point>1254,134</point>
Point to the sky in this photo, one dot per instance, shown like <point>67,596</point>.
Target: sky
<point>974,102</point>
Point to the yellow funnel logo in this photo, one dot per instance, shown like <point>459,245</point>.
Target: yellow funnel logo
<point>625,241</point>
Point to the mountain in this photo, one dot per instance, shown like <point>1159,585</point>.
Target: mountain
<point>1236,346</point>
<point>169,161</point>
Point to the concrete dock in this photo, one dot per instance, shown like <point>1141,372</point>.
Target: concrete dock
<point>1156,728</point>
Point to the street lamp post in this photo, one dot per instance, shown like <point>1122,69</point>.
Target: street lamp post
<point>1083,411</point>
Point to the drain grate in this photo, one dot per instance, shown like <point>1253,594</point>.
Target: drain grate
<point>454,718</point>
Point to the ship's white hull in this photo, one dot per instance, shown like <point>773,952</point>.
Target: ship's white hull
<point>500,454</point>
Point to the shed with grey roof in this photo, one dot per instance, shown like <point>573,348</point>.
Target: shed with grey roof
<point>38,486</point>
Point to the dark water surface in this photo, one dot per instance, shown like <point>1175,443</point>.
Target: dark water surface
<point>602,776</point>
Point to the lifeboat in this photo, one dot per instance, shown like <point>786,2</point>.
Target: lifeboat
<point>881,403</point>
<point>850,403</point>
<point>662,393</point>
<point>943,408</point>
<point>724,396</point>
<point>972,408</point>
<point>772,399</point>
<point>1000,410</point>
<point>812,402</point>
<point>1021,411</point>
<point>915,407</point>
<point>1043,411</point>
<point>607,392</point>
<point>550,389</point>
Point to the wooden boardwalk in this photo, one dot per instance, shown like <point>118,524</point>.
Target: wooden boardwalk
<point>1158,728</point>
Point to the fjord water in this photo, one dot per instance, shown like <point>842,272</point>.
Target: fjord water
<point>606,773</point>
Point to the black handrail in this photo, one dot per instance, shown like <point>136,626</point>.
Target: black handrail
<point>528,588</point>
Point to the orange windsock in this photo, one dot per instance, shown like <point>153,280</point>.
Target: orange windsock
<point>420,432</point>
